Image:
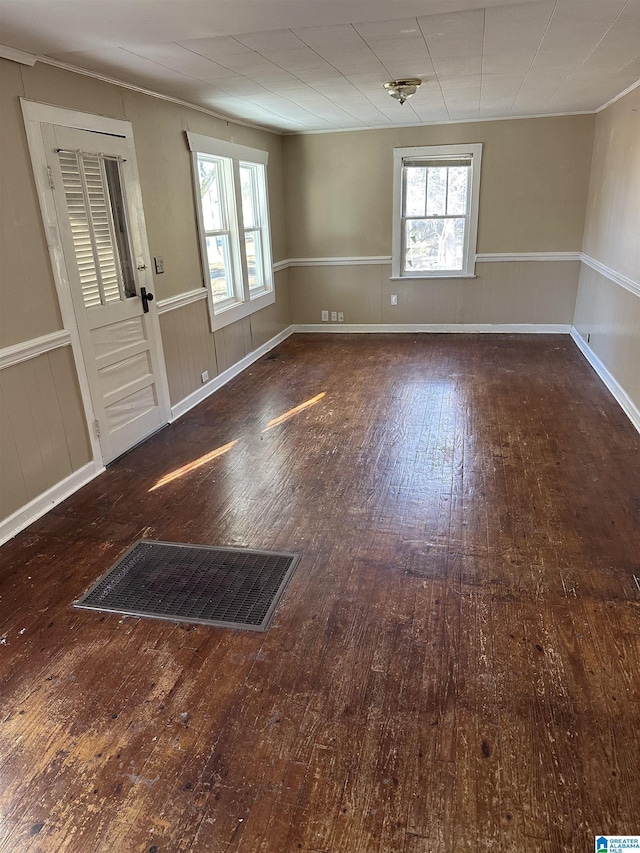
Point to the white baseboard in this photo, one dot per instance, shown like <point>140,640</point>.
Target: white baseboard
<point>622,398</point>
<point>448,328</point>
<point>36,508</point>
<point>217,382</point>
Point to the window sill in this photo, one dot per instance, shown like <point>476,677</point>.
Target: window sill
<point>430,277</point>
<point>237,311</point>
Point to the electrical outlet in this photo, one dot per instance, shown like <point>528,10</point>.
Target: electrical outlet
<point>159,264</point>
<point>325,316</point>
<point>340,317</point>
<point>394,299</point>
<point>334,316</point>
<point>205,376</point>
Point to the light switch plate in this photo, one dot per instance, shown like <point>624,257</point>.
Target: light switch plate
<point>159,264</point>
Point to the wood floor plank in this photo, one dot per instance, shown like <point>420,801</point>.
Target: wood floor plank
<point>454,666</point>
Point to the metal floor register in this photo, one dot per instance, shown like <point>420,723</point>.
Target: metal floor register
<point>227,587</point>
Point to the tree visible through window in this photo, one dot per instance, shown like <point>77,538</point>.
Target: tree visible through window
<point>436,203</point>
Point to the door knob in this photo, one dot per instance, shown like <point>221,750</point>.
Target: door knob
<point>146,299</point>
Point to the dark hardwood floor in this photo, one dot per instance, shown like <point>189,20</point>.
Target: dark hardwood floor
<point>455,665</point>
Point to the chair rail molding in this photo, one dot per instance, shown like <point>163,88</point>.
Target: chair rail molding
<point>625,281</point>
<point>17,353</point>
<point>181,299</point>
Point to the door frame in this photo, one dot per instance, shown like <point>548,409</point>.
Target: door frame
<point>35,114</point>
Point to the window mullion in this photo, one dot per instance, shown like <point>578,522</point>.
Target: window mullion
<point>435,216</point>
<point>427,181</point>
<point>446,193</point>
<point>241,231</point>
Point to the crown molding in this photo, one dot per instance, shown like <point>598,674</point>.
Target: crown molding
<point>619,97</point>
<point>436,123</point>
<point>65,66</point>
<point>16,55</point>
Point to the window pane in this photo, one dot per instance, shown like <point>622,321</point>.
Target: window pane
<point>415,190</point>
<point>247,185</point>
<point>434,244</point>
<point>119,218</point>
<point>437,191</point>
<point>458,190</point>
<point>253,250</point>
<point>211,194</point>
<point>220,273</point>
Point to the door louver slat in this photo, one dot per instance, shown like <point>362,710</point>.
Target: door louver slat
<point>88,203</point>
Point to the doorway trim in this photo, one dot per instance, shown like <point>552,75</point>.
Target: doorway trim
<point>35,114</point>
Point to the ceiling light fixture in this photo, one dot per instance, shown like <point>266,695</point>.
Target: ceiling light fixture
<point>402,89</point>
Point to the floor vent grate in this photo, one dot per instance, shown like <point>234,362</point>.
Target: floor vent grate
<point>226,587</point>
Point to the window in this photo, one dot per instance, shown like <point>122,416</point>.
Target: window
<point>230,183</point>
<point>435,221</point>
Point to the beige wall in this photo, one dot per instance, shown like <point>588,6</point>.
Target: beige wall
<point>503,293</point>
<point>608,318</point>
<point>28,299</point>
<point>533,197</point>
<point>612,229</point>
<point>608,314</point>
<point>43,435</point>
<point>533,193</point>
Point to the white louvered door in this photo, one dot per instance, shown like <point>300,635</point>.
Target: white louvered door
<point>100,218</point>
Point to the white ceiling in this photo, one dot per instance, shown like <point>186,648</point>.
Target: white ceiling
<point>312,65</point>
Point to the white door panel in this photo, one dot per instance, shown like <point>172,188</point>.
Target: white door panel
<point>101,223</point>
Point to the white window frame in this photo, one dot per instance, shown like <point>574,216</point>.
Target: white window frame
<point>245,300</point>
<point>443,153</point>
